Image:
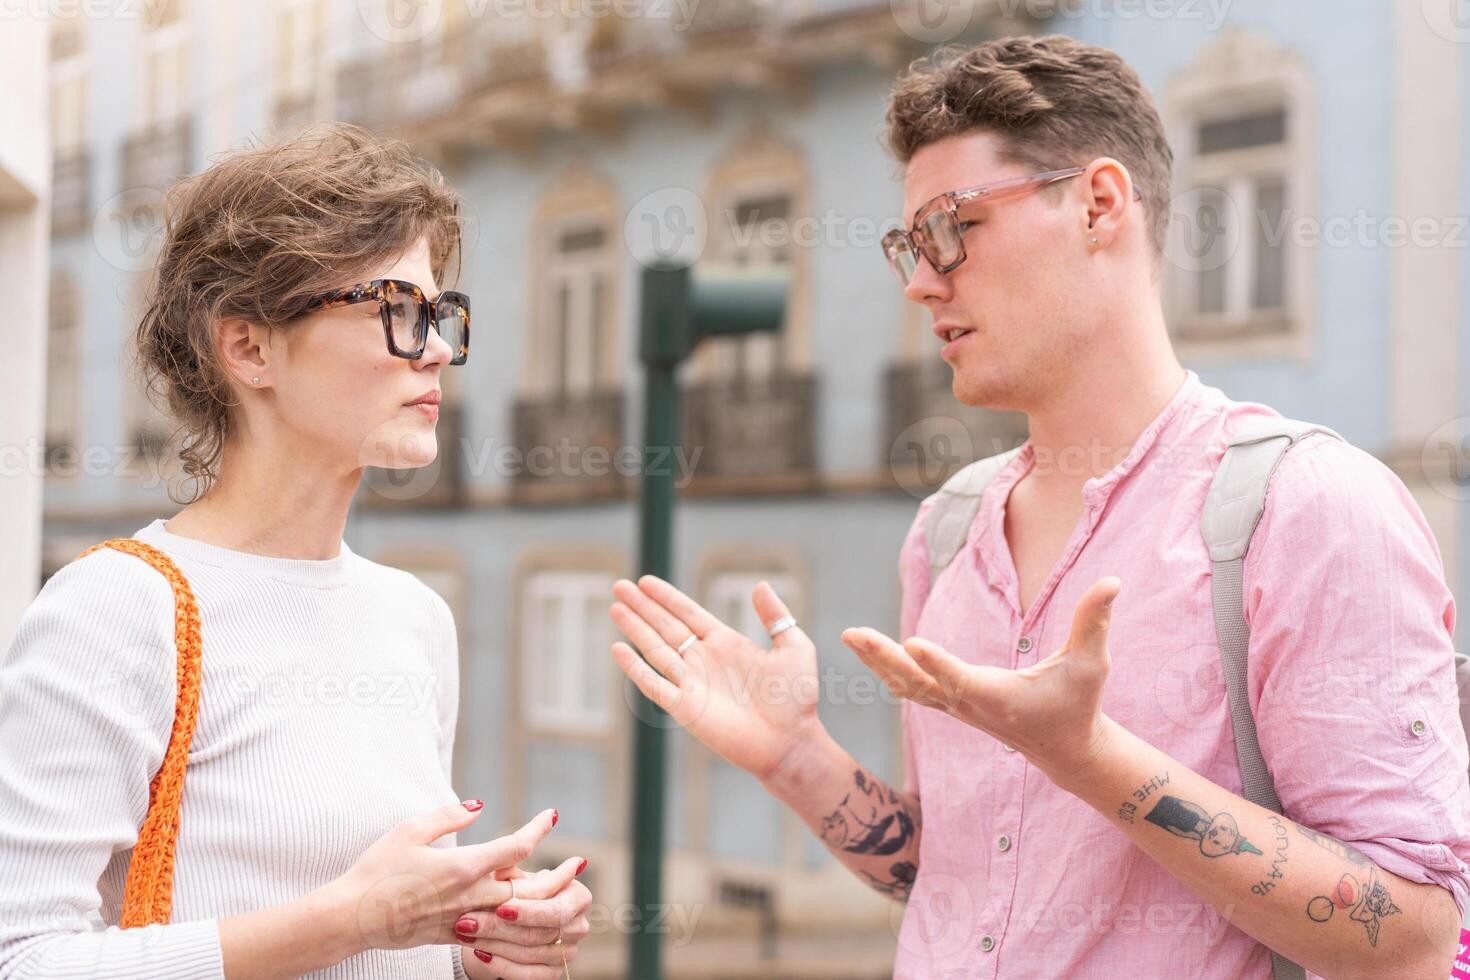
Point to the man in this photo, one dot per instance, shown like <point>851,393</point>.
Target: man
<point>1068,814</point>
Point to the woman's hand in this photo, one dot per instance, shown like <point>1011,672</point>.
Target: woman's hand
<point>405,892</point>
<point>749,704</point>
<point>518,940</point>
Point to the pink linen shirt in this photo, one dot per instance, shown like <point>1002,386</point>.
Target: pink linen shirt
<point>1351,682</point>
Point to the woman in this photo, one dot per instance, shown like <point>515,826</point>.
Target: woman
<point>296,325</point>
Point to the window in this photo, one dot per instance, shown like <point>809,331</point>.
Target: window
<point>1233,226</point>
<point>68,87</point>
<point>753,231</point>
<point>299,48</point>
<point>729,600</point>
<point>165,65</point>
<point>1241,119</point>
<point>62,368</point>
<point>575,313</point>
<point>573,348</point>
<point>566,680</point>
<point>757,219</point>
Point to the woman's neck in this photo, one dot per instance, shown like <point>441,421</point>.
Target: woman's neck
<point>281,504</point>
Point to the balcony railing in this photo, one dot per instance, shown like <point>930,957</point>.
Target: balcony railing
<point>930,434</point>
<point>567,449</point>
<point>751,434</point>
<point>440,484</point>
<point>157,156</point>
<point>70,172</point>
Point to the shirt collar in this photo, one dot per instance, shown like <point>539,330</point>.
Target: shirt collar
<point>1095,492</point>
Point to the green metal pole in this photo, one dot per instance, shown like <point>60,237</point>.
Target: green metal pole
<point>663,345</point>
<point>678,309</point>
<point>661,408</point>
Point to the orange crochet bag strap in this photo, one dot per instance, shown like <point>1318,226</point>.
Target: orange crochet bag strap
<point>148,894</point>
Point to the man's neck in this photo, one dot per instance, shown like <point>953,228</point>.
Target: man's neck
<point>1098,411</point>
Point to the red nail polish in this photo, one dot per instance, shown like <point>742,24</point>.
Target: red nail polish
<point>580,868</point>
<point>467,925</point>
<point>483,956</point>
<point>555,816</point>
<point>472,805</point>
<point>509,915</point>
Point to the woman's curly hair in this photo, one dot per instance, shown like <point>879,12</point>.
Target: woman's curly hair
<point>258,234</point>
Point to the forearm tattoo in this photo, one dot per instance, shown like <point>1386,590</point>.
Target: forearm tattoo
<point>875,820</point>
<point>1217,835</point>
<point>1365,903</point>
<point>1361,893</point>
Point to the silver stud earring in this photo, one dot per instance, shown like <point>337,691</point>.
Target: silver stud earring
<point>256,380</point>
<point>1094,241</point>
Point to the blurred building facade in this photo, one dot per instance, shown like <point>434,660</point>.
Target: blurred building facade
<point>747,132</point>
<point>25,181</point>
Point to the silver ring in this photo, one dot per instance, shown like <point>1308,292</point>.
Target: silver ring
<point>782,625</point>
<point>512,889</point>
<point>685,645</point>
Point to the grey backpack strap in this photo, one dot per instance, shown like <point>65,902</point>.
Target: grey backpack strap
<point>955,505</point>
<point>1233,508</point>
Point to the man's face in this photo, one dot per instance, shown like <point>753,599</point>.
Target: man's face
<point>1021,292</point>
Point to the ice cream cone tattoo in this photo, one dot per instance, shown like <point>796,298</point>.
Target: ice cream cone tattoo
<point>1217,835</point>
<point>1369,905</point>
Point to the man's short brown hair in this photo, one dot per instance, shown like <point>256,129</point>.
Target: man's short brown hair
<point>1054,101</point>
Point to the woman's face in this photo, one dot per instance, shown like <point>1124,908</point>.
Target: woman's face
<point>338,389</point>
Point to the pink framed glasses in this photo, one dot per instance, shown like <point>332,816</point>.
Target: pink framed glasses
<point>937,235</point>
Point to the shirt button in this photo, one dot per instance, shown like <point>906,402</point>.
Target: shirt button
<point>986,944</point>
<point>1025,645</point>
<point>1418,727</point>
<point>1003,842</point>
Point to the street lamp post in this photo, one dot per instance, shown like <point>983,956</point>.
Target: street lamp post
<point>680,307</point>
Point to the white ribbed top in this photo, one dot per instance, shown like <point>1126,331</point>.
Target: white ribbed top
<point>327,715</point>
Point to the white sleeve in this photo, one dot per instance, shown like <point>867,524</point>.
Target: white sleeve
<point>87,692</point>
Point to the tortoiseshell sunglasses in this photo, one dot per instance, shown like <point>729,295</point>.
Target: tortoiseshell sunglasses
<point>938,231</point>
<point>407,315</point>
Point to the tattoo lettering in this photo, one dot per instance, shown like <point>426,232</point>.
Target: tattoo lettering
<point>1335,846</point>
<point>1127,810</point>
<point>1217,835</point>
<point>1283,841</point>
<point>1369,905</point>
